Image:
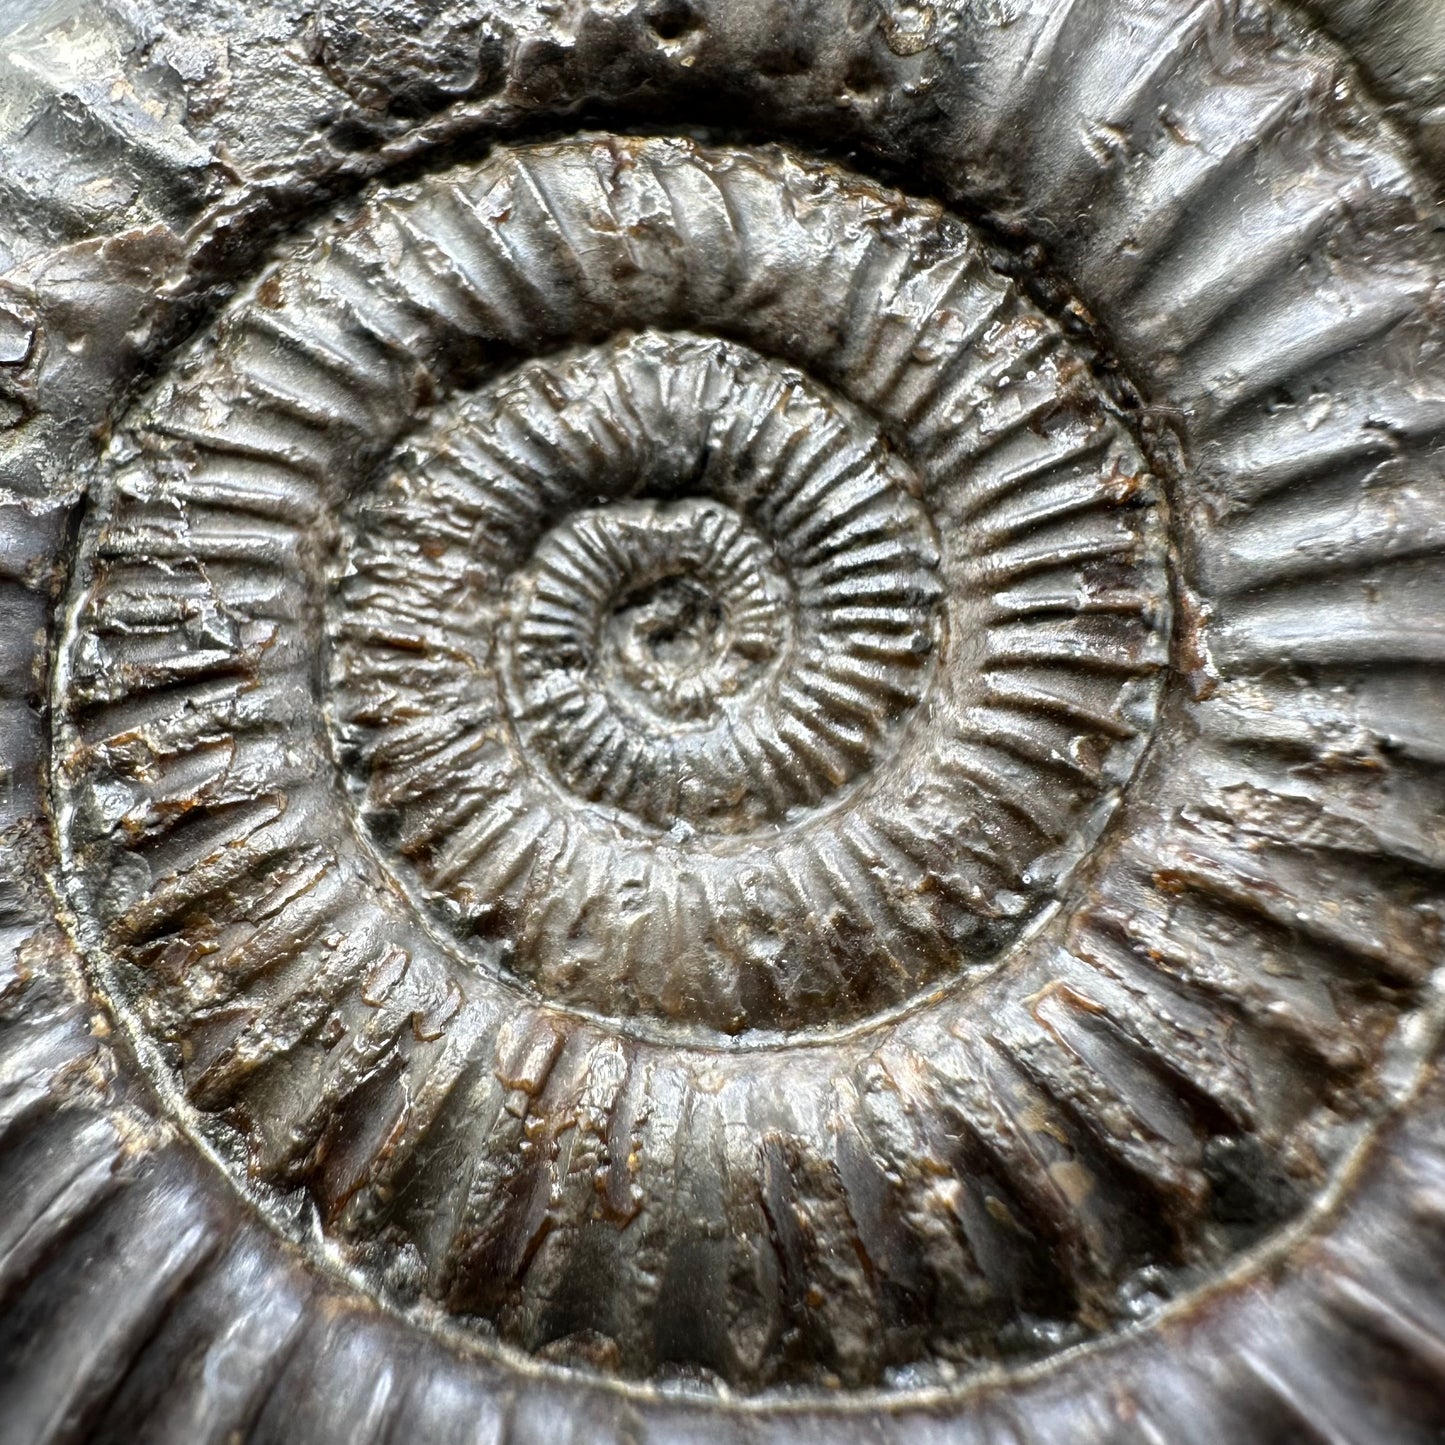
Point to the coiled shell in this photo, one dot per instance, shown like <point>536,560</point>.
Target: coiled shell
<point>688,791</point>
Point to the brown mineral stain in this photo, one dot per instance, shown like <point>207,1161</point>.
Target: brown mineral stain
<point>1192,621</point>
<point>1073,1179</point>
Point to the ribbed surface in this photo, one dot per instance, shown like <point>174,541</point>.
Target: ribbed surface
<point>1165,1071</point>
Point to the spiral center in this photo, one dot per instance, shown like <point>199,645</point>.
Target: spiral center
<point>666,639</point>
<point>671,625</point>
<point>660,615</point>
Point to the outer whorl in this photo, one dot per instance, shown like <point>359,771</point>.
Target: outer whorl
<point>736,735</point>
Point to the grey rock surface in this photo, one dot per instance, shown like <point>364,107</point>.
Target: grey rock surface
<point>722,721</point>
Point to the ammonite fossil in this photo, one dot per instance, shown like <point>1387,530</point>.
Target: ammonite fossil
<point>723,722</point>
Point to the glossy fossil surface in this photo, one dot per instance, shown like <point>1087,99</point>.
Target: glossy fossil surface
<point>739,723</point>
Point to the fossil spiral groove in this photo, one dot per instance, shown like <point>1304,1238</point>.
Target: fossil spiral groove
<point>956,648</point>
<point>708,779</point>
<point>696,669</point>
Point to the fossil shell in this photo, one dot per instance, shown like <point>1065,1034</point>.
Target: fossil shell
<point>726,725</point>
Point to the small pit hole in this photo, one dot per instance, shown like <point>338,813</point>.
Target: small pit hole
<point>672,20</point>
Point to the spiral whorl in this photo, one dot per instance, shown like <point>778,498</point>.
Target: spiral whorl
<point>585,693</point>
